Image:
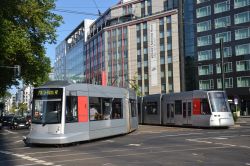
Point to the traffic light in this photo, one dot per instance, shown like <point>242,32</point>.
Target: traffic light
<point>17,71</point>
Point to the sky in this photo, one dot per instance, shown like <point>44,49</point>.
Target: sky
<point>72,20</point>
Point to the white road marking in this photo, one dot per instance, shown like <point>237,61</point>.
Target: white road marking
<point>55,151</point>
<point>109,141</point>
<point>225,144</point>
<point>24,157</point>
<point>219,138</point>
<point>134,145</point>
<point>247,164</point>
<point>18,141</point>
<point>11,132</point>
<point>19,148</point>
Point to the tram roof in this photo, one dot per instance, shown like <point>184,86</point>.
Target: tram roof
<point>86,89</point>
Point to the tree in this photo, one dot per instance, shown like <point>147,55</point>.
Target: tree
<point>135,86</point>
<point>22,107</point>
<point>25,27</point>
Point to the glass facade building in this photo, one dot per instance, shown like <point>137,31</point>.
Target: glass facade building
<point>228,20</point>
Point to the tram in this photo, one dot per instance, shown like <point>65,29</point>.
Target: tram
<point>194,108</point>
<point>65,113</point>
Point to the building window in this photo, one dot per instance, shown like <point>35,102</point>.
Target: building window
<point>242,33</point>
<point>206,84</point>
<point>138,27</point>
<point>162,59</point>
<point>226,36</point>
<point>168,19</point>
<point>204,11</point>
<point>243,81</point>
<point>169,32</point>
<point>144,25</point>
<point>222,22</point>
<point>242,17</point>
<point>201,1</point>
<point>162,48</point>
<point>162,34</point>
<point>241,3</point>
<point>205,70</point>
<point>242,49</point>
<point>204,40</point>
<point>243,65</point>
<point>205,55</point>
<point>145,63</point>
<point>169,59</point>
<point>222,7</point>
<point>161,21</point>
<point>138,64</point>
<point>138,39</point>
<point>169,46</point>
<point>162,74</point>
<point>227,52</point>
<point>227,67</point>
<point>228,83</point>
<point>145,38</point>
<point>204,26</point>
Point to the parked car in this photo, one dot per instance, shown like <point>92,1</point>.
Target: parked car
<point>19,122</point>
<point>6,120</point>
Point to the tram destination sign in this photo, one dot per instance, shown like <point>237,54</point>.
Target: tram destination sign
<point>48,93</point>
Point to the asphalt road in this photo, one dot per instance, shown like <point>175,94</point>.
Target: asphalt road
<point>148,146</point>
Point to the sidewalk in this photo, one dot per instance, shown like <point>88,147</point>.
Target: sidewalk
<point>243,121</point>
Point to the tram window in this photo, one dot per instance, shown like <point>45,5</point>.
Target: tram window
<point>151,108</point>
<point>117,109</point>
<point>184,110</point>
<point>205,109</point>
<point>95,108</point>
<point>168,110</point>
<point>106,107</point>
<point>189,108</point>
<point>219,102</point>
<point>172,110</point>
<point>178,109</point>
<point>71,109</point>
<point>133,107</point>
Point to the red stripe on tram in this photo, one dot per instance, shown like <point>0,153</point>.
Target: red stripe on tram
<point>83,113</point>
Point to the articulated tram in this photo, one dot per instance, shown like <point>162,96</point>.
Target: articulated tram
<point>195,108</point>
<point>64,113</point>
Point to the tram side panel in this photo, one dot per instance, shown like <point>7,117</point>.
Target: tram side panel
<point>77,119</point>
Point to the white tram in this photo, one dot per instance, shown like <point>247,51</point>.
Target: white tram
<point>194,108</point>
<point>65,113</point>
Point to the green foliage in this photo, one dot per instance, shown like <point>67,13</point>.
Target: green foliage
<point>135,86</point>
<point>25,27</point>
<point>22,108</point>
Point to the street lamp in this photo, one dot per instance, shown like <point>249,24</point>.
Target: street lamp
<point>222,63</point>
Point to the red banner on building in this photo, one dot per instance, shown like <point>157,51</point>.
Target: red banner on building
<point>104,81</point>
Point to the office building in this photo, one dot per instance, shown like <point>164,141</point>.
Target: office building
<point>138,41</point>
<point>225,22</point>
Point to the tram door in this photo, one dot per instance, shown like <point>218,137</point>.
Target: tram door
<point>186,111</point>
<point>170,113</point>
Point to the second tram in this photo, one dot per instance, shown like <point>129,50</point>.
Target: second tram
<point>194,108</point>
<point>65,113</point>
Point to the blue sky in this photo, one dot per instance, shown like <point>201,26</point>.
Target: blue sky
<point>72,20</point>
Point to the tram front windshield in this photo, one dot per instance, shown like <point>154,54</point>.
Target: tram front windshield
<point>47,106</point>
<point>218,102</point>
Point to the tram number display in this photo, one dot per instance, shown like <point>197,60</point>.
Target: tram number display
<point>48,92</point>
